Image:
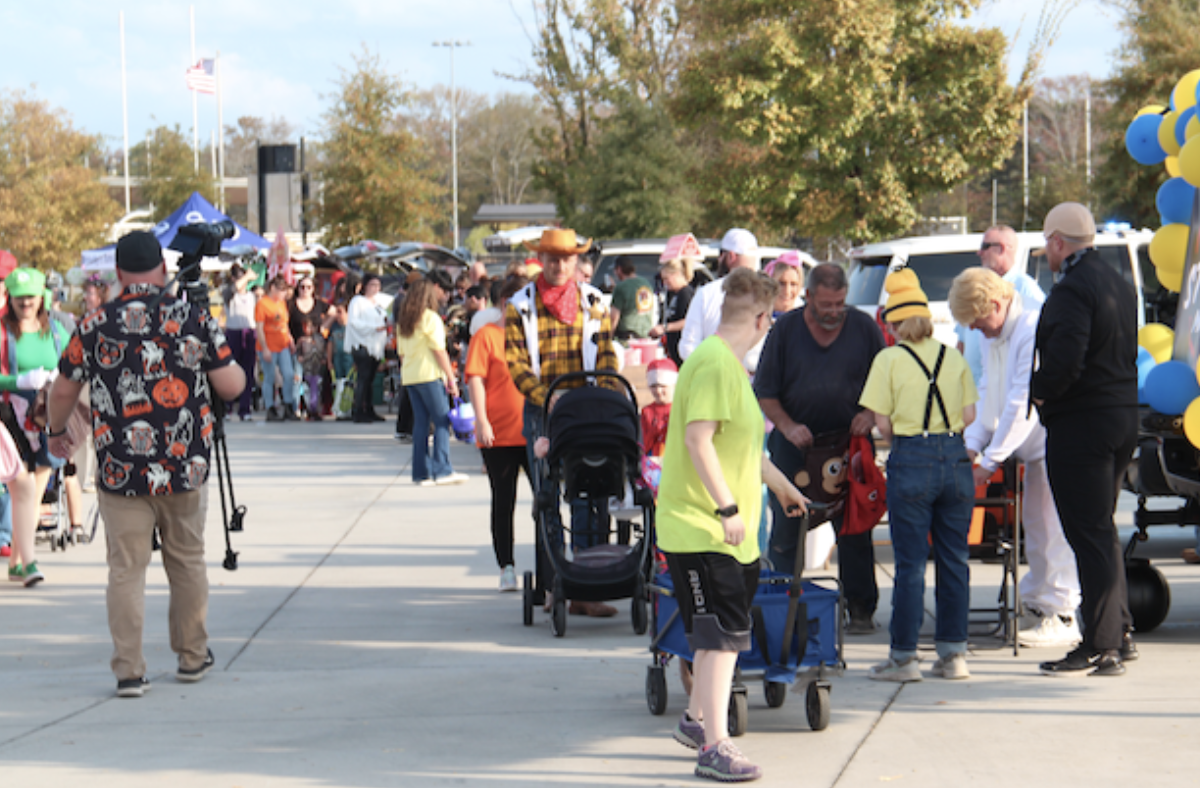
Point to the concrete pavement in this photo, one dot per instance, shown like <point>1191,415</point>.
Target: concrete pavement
<point>362,643</point>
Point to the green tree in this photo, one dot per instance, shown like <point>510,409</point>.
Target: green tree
<point>586,53</point>
<point>1156,51</point>
<point>52,204</point>
<point>166,165</point>
<point>635,177</point>
<point>837,117</point>
<point>374,184</point>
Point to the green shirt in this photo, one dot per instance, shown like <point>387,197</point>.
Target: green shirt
<point>635,298</point>
<point>713,386</point>
<point>34,351</point>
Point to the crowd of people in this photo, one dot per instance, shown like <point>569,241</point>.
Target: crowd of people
<point>766,376</point>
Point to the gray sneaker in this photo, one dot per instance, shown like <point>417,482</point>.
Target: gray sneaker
<point>195,674</point>
<point>689,732</point>
<point>951,667</point>
<point>725,763</point>
<point>132,688</point>
<point>891,670</point>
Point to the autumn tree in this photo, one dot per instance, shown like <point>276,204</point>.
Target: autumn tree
<point>837,117</point>
<point>166,165</point>
<point>373,183</point>
<point>52,204</point>
<point>587,55</point>
<point>1155,52</point>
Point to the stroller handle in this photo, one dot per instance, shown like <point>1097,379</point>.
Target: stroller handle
<point>572,376</point>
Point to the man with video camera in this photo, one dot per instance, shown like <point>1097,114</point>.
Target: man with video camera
<point>152,361</point>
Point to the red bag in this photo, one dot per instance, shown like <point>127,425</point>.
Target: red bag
<point>867,498</point>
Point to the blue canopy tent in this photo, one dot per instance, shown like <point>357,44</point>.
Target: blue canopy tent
<point>195,210</point>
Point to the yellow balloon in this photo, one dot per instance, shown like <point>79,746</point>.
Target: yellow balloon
<point>1166,134</point>
<point>1168,249</point>
<point>1184,95</point>
<point>1191,422</point>
<point>1189,162</point>
<point>1158,340</point>
<point>1192,128</point>
<point>1173,170</point>
<point>1157,109</point>
<point>1172,280</point>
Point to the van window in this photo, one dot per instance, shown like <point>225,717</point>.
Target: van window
<point>866,280</point>
<point>937,271</point>
<point>1115,256</point>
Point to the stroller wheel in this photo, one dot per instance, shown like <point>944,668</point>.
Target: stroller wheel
<point>816,705</point>
<point>527,599</point>
<point>739,713</point>
<point>775,692</point>
<point>558,616</point>
<point>656,689</point>
<point>639,608</point>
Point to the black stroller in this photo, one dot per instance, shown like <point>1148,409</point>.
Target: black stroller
<point>595,454</point>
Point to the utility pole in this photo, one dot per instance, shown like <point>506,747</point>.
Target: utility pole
<point>453,136</point>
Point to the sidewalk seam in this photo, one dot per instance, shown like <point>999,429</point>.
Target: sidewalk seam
<point>866,736</point>
<point>312,571</point>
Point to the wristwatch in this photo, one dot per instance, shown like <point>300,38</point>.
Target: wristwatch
<point>53,434</point>
<point>728,511</point>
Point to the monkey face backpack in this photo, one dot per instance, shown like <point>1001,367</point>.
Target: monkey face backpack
<point>823,477</point>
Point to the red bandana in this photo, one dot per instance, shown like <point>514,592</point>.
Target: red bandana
<point>561,302</point>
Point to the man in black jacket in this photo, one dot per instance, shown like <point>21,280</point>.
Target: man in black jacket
<point>1085,386</point>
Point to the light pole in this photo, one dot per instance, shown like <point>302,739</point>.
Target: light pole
<point>453,135</point>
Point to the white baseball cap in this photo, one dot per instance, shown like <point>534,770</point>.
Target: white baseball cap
<point>739,241</point>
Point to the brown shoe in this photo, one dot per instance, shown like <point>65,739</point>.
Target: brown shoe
<point>1190,556</point>
<point>593,609</point>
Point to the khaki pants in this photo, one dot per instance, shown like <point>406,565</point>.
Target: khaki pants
<point>129,525</point>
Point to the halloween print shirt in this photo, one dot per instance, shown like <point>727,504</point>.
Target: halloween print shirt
<point>146,356</point>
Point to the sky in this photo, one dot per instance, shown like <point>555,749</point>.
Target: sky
<point>281,58</point>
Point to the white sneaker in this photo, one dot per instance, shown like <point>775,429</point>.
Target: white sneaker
<point>508,579</point>
<point>891,670</point>
<point>1052,631</point>
<point>425,483</point>
<point>454,478</point>
<point>952,667</point>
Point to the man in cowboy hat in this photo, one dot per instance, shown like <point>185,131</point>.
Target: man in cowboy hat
<point>554,326</point>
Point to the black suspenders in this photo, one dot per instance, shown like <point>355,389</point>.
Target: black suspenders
<point>934,392</point>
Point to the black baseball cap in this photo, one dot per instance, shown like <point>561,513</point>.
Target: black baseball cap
<point>441,278</point>
<point>138,252</point>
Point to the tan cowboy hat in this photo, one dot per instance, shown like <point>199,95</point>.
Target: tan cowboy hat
<point>559,242</point>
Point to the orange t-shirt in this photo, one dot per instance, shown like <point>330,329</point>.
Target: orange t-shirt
<point>505,405</point>
<point>272,315</point>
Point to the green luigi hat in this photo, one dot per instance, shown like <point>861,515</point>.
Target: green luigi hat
<point>25,282</point>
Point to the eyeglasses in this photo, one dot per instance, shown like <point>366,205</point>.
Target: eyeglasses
<point>989,244</point>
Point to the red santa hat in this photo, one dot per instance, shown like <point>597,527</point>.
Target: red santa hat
<point>662,372</point>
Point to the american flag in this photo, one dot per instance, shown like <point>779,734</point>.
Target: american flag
<point>200,77</point>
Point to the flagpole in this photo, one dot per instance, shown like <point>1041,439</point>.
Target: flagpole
<point>220,136</point>
<point>125,111</point>
<point>212,150</point>
<point>195,111</point>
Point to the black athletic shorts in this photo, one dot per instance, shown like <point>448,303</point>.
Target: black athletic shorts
<point>714,593</point>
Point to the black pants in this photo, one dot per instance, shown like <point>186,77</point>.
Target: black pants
<point>504,464</point>
<point>404,414</point>
<point>856,554</point>
<point>1086,457</point>
<point>364,386</point>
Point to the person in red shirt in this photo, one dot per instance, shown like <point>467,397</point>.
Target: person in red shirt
<point>660,377</point>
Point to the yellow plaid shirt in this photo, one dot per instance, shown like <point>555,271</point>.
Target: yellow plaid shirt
<point>560,350</point>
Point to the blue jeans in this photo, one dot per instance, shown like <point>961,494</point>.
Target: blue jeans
<point>930,493</point>
<point>283,360</point>
<point>430,406</point>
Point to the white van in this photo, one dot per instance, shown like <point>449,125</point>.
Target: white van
<point>937,259</point>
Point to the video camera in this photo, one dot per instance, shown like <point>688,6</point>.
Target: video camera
<point>195,242</point>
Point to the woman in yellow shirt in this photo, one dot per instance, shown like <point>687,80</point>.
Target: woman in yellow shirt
<point>428,378</point>
<point>923,396</point>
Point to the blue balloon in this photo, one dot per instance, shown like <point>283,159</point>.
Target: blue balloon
<point>1141,139</point>
<point>1145,363</point>
<point>1181,125</point>
<point>1170,387</point>
<point>1174,201</point>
